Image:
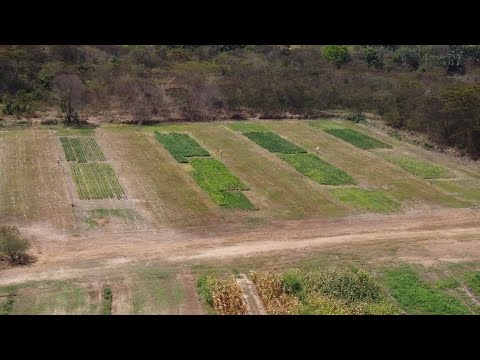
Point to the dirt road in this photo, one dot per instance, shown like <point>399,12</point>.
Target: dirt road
<point>441,235</point>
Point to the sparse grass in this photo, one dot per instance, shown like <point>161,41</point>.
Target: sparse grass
<point>326,124</point>
<point>417,296</point>
<point>421,168</point>
<point>467,189</point>
<point>247,127</point>
<point>358,139</point>
<point>181,146</point>
<point>96,181</point>
<point>274,143</point>
<point>220,183</point>
<point>473,282</point>
<point>82,130</point>
<point>366,200</point>
<point>95,218</point>
<point>317,169</point>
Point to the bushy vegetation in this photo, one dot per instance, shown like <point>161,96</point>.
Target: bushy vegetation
<point>13,246</point>
<point>418,297</point>
<point>421,168</point>
<point>273,143</point>
<point>224,188</point>
<point>81,149</point>
<point>427,88</point>
<point>181,146</point>
<point>325,292</point>
<point>357,138</point>
<point>366,200</point>
<point>107,299</point>
<point>317,169</point>
<point>96,181</point>
<point>473,282</point>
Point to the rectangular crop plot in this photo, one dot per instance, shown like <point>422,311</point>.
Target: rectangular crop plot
<point>366,200</point>
<point>421,168</point>
<point>358,139</point>
<point>181,146</point>
<point>224,188</point>
<point>81,149</point>
<point>317,169</point>
<point>274,143</point>
<point>247,126</point>
<point>96,181</point>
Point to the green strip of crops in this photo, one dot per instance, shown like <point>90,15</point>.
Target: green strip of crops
<point>421,168</point>
<point>181,146</point>
<point>274,143</point>
<point>317,169</point>
<point>358,139</point>
<point>223,187</point>
<point>366,200</point>
<point>96,181</point>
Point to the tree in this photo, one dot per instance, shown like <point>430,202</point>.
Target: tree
<point>12,245</point>
<point>69,90</point>
<point>336,54</point>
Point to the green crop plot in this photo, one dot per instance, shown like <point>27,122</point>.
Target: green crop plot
<point>224,188</point>
<point>418,297</point>
<point>81,149</point>
<point>181,146</point>
<point>96,181</point>
<point>357,138</point>
<point>317,169</point>
<point>273,143</point>
<point>421,168</point>
<point>366,200</point>
<point>247,127</point>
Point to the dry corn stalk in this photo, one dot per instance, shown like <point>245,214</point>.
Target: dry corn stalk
<point>274,297</point>
<point>227,296</point>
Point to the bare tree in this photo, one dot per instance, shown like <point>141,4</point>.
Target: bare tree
<point>69,89</point>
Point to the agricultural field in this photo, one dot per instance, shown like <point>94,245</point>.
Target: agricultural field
<point>421,168</point>
<point>181,146</point>
<point>358,139</point>
<point>274,143</point>
<point>81,149</point>
<point>366,200</point>
<point>317,169</point>
<point>96,181</point>
<point>224,188</point>
<point>98,218</point>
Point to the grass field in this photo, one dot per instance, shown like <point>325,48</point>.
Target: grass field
<point>247,127</point>
<point>317,169</point>
<point>224,188</point>
<point>81,149</point>
<point>417,297</point>
<point>367,200</point>
<point>96,181</point>
<point>358,139</point>
<point>98,217</point>
<point>273,143</point>
<point>181,146</point>
<point>421,168</point>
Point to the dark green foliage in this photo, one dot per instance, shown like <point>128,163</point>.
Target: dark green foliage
<point>274,143</point>
<point>336,54</point>
<point>356,118</point>
<point>19,104</point>
<point>224,188</point>
<point>292,284</point>
<point>473,282</point>
<point>180,146</point>
<point>12,246</point>
<point>317,169</point>
<point>358,139</point>
<point>107,299</point>
<point>418,297</point>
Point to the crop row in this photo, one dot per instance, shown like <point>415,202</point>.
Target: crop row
<point>317,169</point>
<point>96,181</point>
<point>273,143</point>
<point>224,188</point>
<point>181,146</point>
<point>81,149</point>
<point>421,168</point>
<point>358,139</point>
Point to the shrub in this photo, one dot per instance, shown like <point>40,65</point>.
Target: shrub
<point>12,245</point>
<point>19,104</point>
<point>356,118</point>
<point>107,298</point>
<point>336,54</point>
<point>292,284</point>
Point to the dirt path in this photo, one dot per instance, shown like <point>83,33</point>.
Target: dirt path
<point>254,303</point>
<point>444,235</point>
